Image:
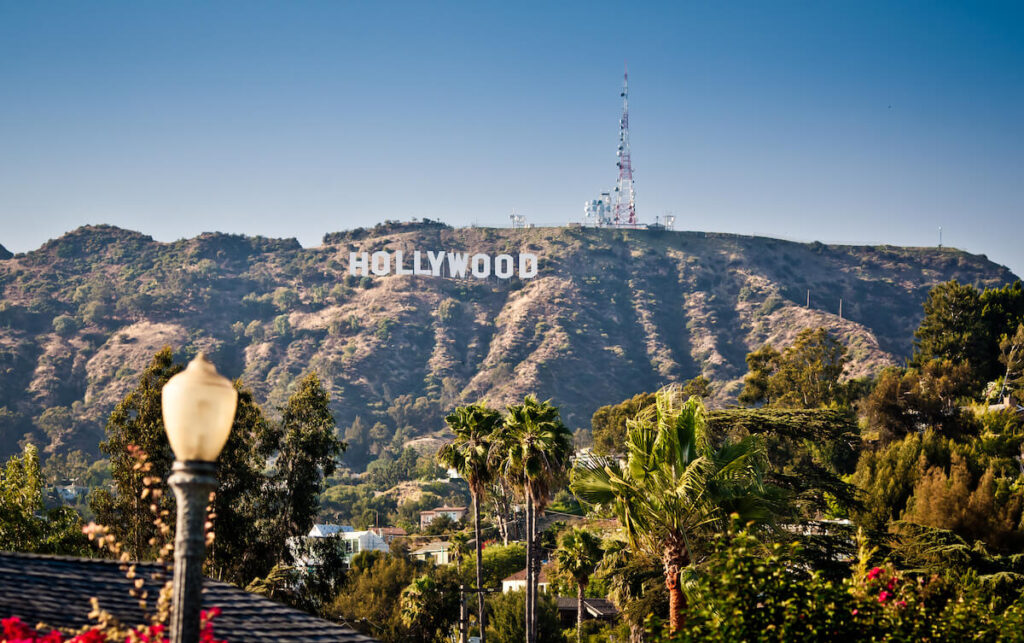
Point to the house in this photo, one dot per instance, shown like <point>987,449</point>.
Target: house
<point>56,590</point>
<point>324,530</point>
<point>357,541</point>
<point>388,533</point>
<point>599,608</point>
<point>352,541</point>
<point>517,582</point>
<point>71,492</point>
<point>427,517</point>
<point>439,551</point>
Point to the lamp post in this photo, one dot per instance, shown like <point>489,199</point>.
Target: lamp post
<point>198,409</point>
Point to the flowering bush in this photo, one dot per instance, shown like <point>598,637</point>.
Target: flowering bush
<point>14,631</point>
<point>749,591</point>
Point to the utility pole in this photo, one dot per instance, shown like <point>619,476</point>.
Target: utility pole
<point>808,298</point>
<point>840,308</point>
<point>463,617</point>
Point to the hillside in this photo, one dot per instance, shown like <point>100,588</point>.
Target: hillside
<point>611,313</point>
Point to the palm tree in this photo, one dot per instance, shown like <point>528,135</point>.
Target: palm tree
<point>532,450</point>
<point>469,454</point>
<point>674,484</point>
<point>578,556</point>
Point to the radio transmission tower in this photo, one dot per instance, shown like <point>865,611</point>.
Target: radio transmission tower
<point>625,197</point>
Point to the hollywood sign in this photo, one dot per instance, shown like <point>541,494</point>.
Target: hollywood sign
<point>442,264</point>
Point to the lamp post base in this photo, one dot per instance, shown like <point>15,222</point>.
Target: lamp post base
<point>192,482</point>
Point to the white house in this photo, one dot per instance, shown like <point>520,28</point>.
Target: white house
<point>353,542</point>
<point>517,582</point>
<point>327,529</point>
<point>357,541</point>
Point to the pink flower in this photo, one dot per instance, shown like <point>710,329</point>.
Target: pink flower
<point>883,596</point>
<point>855,612</point>
<point>873,574</point>
<point>891,583</point>
<point>901,603</point>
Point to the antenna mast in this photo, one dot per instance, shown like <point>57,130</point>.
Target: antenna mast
<point>625,197</point>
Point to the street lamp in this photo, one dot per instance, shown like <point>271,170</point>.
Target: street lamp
<point>198,408</point>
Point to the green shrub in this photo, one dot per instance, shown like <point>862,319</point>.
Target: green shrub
<point>65,325</point>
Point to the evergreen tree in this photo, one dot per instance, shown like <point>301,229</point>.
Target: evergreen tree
<point>137,423</point>
<point>242,548</point>
<point>307,454</point>
<point>952,327</point>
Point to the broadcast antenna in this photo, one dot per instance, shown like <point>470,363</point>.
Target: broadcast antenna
<point>625,197</point>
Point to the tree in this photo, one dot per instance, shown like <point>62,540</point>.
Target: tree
<point>1011,354</point>
<point>578,556</point>
<point>608,423</point>
<point>307,450</point>
<point>506,619</point>
<point>675,485</point>
<point>929,396</point>
<point>952,328</point>
<point>806,375</point>
<point>427,606</point>
<point>533,449</point>
<point>761,364</point>
<point>137,423</point>
<point>243,547</point>
<point>470,455</point>
<point>635,584</point>
<point>369,600</point>
<point>24,525</point>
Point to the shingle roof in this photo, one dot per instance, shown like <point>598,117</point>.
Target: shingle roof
<point>56,590</point>
<point>521,574</point>
<point>434,545</point>
<point>595,607</point>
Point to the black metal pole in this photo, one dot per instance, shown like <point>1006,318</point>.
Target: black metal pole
<point>192,482</point>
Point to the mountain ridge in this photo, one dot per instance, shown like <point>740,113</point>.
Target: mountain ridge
<point>611,313</point>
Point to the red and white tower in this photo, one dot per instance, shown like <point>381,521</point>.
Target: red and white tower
<point>625,195</point>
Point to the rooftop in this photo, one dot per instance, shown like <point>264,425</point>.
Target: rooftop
<point>521,574</point>
<point>593,607</point>
<point>55,590</point>
<point>436,509</point>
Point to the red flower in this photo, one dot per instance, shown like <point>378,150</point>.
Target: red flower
<point>855,612</point>
<point>901,603</point>
<point>883,596</point>
<point>891,583</point>
<point>873,574</point>
<point>15,629</point>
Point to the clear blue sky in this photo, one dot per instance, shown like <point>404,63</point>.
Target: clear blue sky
<point>853,122</point>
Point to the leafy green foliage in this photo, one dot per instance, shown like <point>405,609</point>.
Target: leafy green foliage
<point>307,451</point>
<point>505,619</point>
<point>608,425</point>
<point>805,375</point>
<point>747,592</point>
<point>24,525</point>
<point>137,423</point>
<point>675,486</point>
<point>927,397</point>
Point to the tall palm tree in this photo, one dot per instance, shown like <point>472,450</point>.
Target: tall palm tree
<point>578,556</point>
<point>674,485</point>
<point>469,454</point>
<point>533,449</point>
